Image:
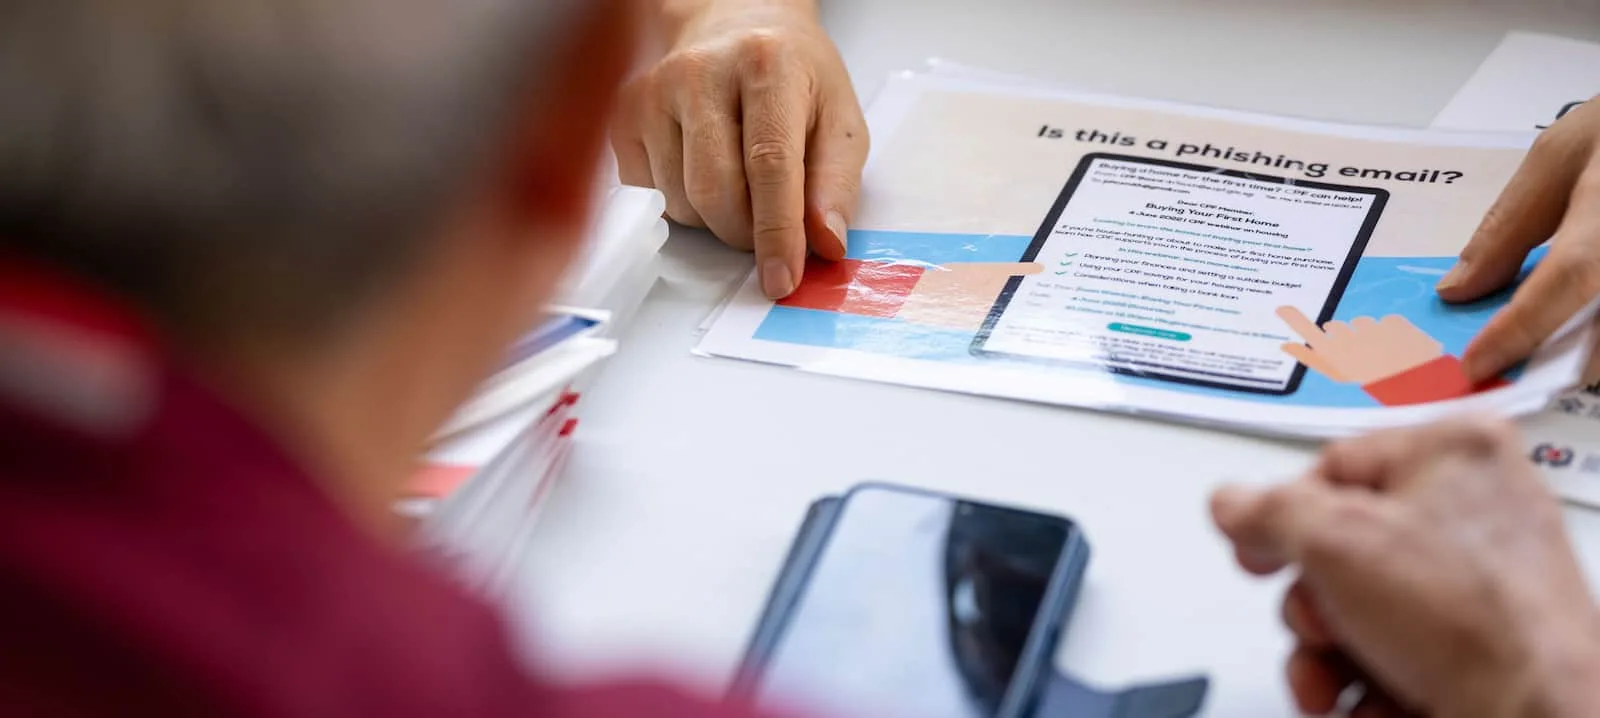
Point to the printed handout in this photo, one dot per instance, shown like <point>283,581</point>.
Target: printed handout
<point>1208,263</point>
<point>1269,274</point>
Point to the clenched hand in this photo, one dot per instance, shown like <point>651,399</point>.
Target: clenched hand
<point>1434,571</point>
<point>751,128</point>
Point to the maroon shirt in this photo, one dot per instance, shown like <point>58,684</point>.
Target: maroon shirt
<point>159,555</point>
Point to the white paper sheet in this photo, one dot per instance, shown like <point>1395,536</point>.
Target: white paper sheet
<point>1527,82</point>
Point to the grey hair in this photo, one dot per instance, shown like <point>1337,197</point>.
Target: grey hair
<point>257,164</point>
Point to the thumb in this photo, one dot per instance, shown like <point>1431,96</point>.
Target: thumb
<point>836,155</point>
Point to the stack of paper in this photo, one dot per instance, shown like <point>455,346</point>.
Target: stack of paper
<point>481,483</point>
<point>1263,274</point>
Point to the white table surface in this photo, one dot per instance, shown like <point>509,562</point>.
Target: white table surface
<point>690,474</point>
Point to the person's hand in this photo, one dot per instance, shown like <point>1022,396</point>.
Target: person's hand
<point>751,128</point>
<point>1555,195</point>
<point>1434,571</point>
<point>1362,351</point>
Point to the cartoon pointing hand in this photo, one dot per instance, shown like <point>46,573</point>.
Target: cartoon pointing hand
<point>959,295</point>
<point>1394,362</point>
<point>1363,351</point>
<point>955,295</point>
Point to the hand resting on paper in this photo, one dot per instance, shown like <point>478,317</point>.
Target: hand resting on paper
<point>750,127</point>
<point>1433,571</point>
<point>1554,196</point>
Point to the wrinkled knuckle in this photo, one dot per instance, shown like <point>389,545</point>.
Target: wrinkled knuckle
<point>769,160</point>
<point>763,48</point>
<point>848,183</point>
<point>1576,269</point>
<point>696,62</point>
<point>674,68</point>
<point>841,181</point>
<point>654,85</point>
<point>775,227</point>
<point>704,186</point>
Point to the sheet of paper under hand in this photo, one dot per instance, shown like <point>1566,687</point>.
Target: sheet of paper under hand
<point>1264,274</point>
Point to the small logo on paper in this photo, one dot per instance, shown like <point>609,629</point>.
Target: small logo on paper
<point>1555,457</point>
<point>1570,405</point>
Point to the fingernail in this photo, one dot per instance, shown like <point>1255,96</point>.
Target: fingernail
<point>776,279</point>
<point>1453,277</point>
<point>836,225</point>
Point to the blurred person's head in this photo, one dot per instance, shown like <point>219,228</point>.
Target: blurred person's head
<point>339,212</point>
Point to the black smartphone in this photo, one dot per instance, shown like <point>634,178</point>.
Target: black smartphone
<point>902,602</point>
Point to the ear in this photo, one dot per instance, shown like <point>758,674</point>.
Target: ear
<point>556,145</point>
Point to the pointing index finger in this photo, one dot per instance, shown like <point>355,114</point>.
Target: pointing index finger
<point>1301,325</point>
<point>776,120</point>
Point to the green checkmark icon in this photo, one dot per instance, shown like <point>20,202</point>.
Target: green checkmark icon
<point>1058,274</point>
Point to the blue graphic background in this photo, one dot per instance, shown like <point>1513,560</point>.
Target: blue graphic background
<point>1380,286</point>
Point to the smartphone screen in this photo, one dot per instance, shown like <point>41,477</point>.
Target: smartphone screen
<point>922,606</point>
<point>1175,271</point>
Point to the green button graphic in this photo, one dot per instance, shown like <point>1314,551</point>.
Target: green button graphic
<point>1149,332</point>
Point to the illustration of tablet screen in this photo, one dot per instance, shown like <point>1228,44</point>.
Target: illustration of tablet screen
<point>1173,271</point>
